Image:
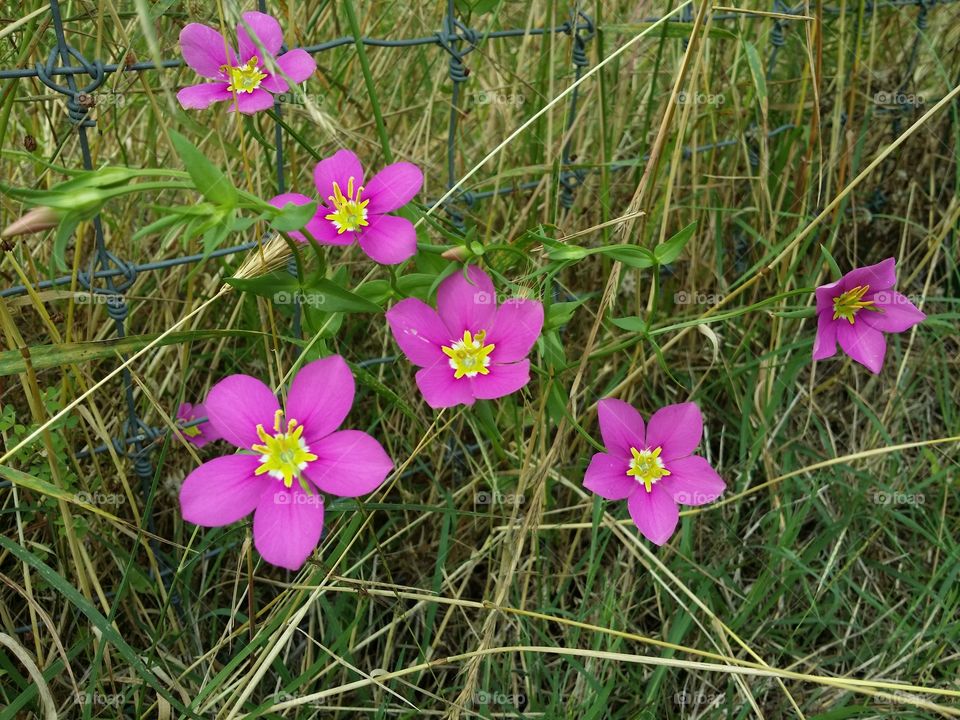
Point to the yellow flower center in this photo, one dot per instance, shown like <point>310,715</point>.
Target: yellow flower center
<point>192,431</point>
<point>469,356</point>
<point>851,302</point>
<point>284,455</point>
<point>647,467</point>
<point>246,78</point>
<point>349,212</point>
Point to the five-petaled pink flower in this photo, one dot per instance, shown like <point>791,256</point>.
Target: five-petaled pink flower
<point>652,468</point>
<point>291,455</point>
<point>200,434</point>
<point>469,349</point>
<point>857,310</point>
<point>251,74</point>
<point>353,210</point>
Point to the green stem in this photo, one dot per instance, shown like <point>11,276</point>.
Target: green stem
<point>368,81</point>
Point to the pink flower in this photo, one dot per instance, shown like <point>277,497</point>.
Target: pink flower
<point>198,435</point>
<point>652,469</point>
<point>290,456</point>
<point>468,349</point>
<point>353,210</point>
<point>857,310</point>
<point>247,74</point>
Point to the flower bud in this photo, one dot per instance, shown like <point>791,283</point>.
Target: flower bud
<point>35,220</point>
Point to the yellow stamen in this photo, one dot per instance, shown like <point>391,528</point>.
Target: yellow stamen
<point>284,455</point>
<point>647,467</point>
<point>848,304</point>
<point>349,212</point>
<point>469,356</point>
<point>246,78</point>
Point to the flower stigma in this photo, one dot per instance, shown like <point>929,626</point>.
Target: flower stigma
<point>647,467</point>
<point>469,357</point>
<point>283,455</point>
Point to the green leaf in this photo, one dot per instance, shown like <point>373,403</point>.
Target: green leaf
<point>631,324</point>
<point>274,283</point>
<point>208,178</point>
<point>294,217</point>
<point>330,297</point>
<point>631,255</point>
<point>832,262</point>
<point>64,230</point>
<point>756,70</point>
<point>667,252</point>
<point>559,313</point>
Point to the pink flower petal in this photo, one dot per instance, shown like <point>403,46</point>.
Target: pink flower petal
<point>881,276</point>
<point>236,405</point>
<point>325,232</point>
<point>825,343</point>
<point>607,477</point>
<point>266,28</point>
<point>200,97</point>
<point>501,380</point>
<point>338,168</point>
<point>418,331</point>
<point>320,397</point>
<point>621,427</point>
<point>825,295</point>
<point>297,65</point>
<point>280,201</point>
<point>388,239</point>
<point>654,513</point>
<point>205,50</point>
<point>349,463</point>
<point>467,305</point>
<point>516,327</point>
<point>393,187</point>
<point>692,481</point>
<point>222,491</point>
<point>863,343</point>
<point>249,103</point>
<point>440,389</point>
<point>896,313</point>
<point>287,525</point>
<point>675,428</point>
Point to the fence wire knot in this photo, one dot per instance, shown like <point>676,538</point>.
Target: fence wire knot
<point>77,106</point>
<point>453,34</point>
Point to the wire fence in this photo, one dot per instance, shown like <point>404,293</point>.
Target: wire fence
<point>67,72</point>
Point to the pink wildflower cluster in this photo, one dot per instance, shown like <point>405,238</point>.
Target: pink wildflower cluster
<point>467,347</point>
